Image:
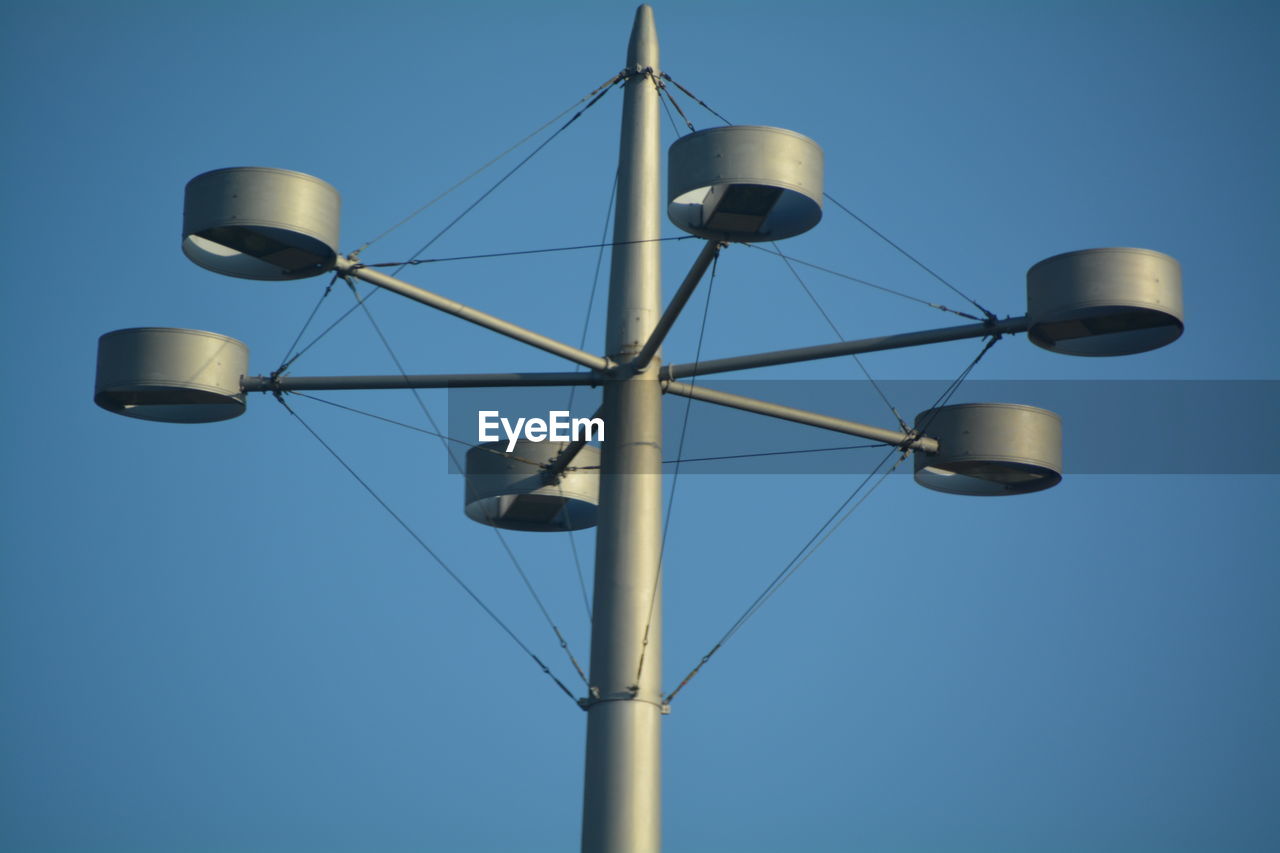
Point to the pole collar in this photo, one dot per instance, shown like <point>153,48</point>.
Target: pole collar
<point>631,694</point>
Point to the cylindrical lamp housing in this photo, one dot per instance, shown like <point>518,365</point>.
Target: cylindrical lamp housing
<point>744,183</point>
<point>990,449</point>
<point>174,375</point>
<point>1105,301</point>
<point>259,223</point>
<point>508,490</point>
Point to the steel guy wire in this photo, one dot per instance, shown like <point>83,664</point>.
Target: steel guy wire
<point>942,400</point>
<point>802,556</point>
<point>667,77</point>
<point>750,455</point>
<point>911,257</point>
<point>863,281</point>
<point>836,331</point>
<point>664,95</point>
<point>988,315</point>
<point>595,277</point>
<point>675,476</point>
<point>657,85</point>
<point>865,224</point>
<point>582,345</point>
<point>601,245</point>
<point>830,529</point>
<point>726,457</point>
<point>582,583</point>
<point>945,397</point>
<point>772,453</point>
<point>827,528</point>
<point>564,644</point>
<point>394,422</point>
<point>287,360</point>
<point>597,93</point>
<point>422,543</point>
<point>360,300</point>
<point>513,147</point>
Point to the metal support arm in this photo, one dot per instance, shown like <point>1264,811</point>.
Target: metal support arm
<point>800,416</point>
<point>708,254</point>
<point>432,380</point>
<point>1010,325</point>
<point>347,266</point>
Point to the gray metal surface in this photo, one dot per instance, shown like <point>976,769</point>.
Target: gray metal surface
<point>1008,326</point>
<point>259,223</point>
<point>434,380</point>
<point>347,266</point>
<point>990,449</point>
<point>175,375</point>
<point>745,183</point>
<point>892,437</point>
<point>1105,301</point>
<point>622,785</point>
<point>710,250</point>
<point>509,491</point>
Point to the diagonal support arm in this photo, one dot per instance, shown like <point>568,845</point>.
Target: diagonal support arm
<point>349,267</point>
<point>774,410</point>
<point>708,254</point>
<point>1008,326</point>
<point>551,473</point>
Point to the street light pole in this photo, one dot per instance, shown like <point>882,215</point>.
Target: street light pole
<point>738,183</point>
<point>622,794</point>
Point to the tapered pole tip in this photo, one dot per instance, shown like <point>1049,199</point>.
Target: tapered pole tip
<point>642,50</point>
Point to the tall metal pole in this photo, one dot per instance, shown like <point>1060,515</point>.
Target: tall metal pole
<point>622,797</point>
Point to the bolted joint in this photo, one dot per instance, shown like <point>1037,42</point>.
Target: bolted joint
<point>637,71</point>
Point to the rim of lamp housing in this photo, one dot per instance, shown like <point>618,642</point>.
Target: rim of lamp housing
<point>1105,302</point>
<point>261,223</point>
<point>161,373</point>
<point>744,183</point>
<point>511,491</point>
<point>989,449</point>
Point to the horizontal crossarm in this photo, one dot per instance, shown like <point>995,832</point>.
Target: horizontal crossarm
<point>434,380</point>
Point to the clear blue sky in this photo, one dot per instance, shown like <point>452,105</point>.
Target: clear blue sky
<point>212,640</point>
